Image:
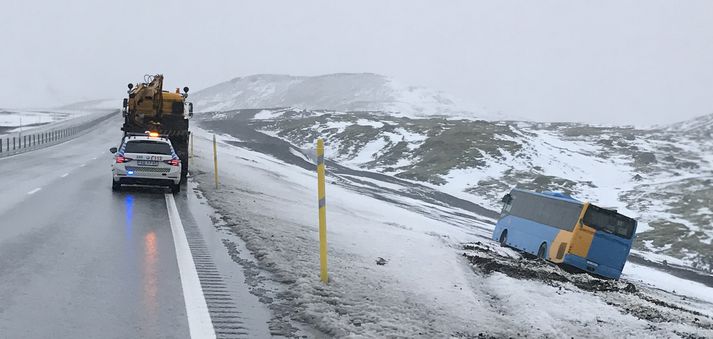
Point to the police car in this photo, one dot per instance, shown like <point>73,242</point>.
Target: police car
<point>146,159</point>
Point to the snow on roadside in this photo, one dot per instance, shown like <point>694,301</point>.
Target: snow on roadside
<point>424,289</point>
<point>23,118</point>
<point>423,280</point>
<point>13,121</point>
<point>669,283</point>
<point>539,306</point>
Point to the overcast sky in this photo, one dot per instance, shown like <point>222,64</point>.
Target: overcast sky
<point>618,61</point>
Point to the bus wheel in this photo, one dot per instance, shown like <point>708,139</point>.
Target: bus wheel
<point>541,251</point>
<point>504,238</point>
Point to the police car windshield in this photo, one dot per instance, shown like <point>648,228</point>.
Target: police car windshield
<point>147,147</point>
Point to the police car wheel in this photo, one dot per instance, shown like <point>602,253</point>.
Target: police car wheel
<point>176,188</point>
<point>115,186</point>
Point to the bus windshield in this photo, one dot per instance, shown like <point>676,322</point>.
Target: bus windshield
<point>609,221</point>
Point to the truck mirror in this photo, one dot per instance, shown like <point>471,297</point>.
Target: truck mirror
<point>190,108</point>
<point>112,150</point>
<point>507,198</point>
<point>185,89</point>
<point>126,102</point>
<point>131,86</point>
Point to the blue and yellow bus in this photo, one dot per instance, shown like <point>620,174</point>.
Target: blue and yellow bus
<point>563,230</point>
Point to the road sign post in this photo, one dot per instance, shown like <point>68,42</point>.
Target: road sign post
<point>215,160</point>
<point>322,203</point>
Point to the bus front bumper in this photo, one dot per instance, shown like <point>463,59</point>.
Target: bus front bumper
<point>591,267</point>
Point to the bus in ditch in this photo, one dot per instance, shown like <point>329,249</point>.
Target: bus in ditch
<point>558,228</point>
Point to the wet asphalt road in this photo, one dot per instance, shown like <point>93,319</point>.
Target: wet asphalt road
<point>76,259</point>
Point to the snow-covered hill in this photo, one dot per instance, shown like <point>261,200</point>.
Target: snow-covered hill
<point>404,261</point>
<point>342,92</point>
<point>662,177</point>
<point>701,127</point>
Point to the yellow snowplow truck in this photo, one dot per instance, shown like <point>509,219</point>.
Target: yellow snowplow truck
<point>150,108</point>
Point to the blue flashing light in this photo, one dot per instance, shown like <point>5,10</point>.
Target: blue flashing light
<point>130,172</point>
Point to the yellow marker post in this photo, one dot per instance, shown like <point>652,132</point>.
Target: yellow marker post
<point>215,160</point>
<point>322,212</point>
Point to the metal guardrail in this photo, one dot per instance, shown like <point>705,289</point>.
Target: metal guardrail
<point>11,145</point>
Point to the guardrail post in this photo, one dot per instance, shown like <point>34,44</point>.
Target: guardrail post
<point>322,203</point>
<point>13,143</point>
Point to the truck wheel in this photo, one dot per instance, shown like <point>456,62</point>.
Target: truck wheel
<point>181,147</point>
<point>184,169</point>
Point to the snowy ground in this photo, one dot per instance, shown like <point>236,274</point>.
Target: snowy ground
<point>427,288</point>
<point>17,120</point>
<point>14,121</point>
<point>659,177</point>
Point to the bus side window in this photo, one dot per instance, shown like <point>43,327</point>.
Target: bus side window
<point>527,207</point>
<point>554,214</point>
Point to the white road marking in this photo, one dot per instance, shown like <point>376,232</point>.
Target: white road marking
<point>199,322</point>
<point>95,158</point>
<point>64,175</point>
<point>82,165</point>
<point>34,190</point>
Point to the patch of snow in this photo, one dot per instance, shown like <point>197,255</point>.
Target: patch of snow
<point>669,283</point>
<point>365,122</point>
<point>269,114</point>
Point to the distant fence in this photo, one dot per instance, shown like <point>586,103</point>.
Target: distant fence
<point>25,142</point>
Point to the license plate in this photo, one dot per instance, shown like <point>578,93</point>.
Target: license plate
<point>147,163</point>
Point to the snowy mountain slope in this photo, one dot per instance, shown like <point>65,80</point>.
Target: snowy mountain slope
<point>661,177</point>
<point>93,105</point>
<point>343,92</point>
<point>702,125</point>
<point>13,121</point>
<point>429,286</point>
